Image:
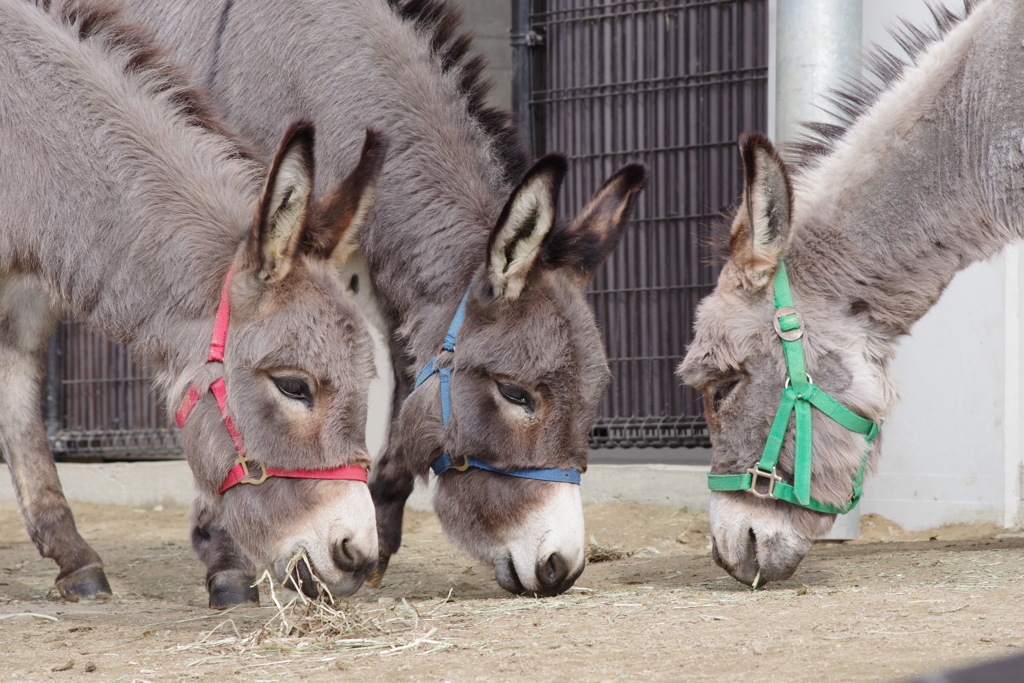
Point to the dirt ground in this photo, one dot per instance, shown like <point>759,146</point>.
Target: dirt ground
<point>889,606</point>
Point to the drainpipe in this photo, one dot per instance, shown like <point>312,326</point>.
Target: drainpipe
<point>817,45</point>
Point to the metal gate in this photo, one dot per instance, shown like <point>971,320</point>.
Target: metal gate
<point>100,403</point>
<point>672,84</point>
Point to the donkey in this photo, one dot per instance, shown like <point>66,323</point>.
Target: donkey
<point>127,206</point>
<point>457,220</point>
<point>922,178</point>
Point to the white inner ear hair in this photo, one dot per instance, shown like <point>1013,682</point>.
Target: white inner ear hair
<point>759,201</point>
<point>289,201</point>
<point>350,237</point>
<point>766,249</point>
<point>518,242</point>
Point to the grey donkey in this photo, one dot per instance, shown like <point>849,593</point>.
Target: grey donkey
<point>923,177</point>
<point>126,206</point>
<point>455,213</point>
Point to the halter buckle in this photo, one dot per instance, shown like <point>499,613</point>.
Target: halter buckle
<point>463,466</point>
<point>243,461</point>
<point>785,329</point>
<point>771,477</point>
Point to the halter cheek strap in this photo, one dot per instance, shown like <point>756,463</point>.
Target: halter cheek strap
<point>446,461</point>
<point>799,394</point>
<point>239,472</point>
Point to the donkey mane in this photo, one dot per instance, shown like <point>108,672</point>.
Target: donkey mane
<point>440,22</point>
<point>857,95</point>
<point>145,59</point>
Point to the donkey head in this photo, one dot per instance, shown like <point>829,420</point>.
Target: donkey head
<point>528,371</point>
<point>736,361</point>
<point>297,364</point>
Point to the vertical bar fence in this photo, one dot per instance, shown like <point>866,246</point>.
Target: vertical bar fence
<point>672,84</point>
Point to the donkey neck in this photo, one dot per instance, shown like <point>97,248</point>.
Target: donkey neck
<point>924,183</point>
<point>128,211</point>
<point>362,63</point>
<point>445,182</point>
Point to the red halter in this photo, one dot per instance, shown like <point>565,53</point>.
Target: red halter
<point>239,473</point>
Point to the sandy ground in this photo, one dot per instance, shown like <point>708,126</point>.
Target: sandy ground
<point>892,605</point>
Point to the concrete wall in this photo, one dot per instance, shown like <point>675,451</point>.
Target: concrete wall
<point>951,446</point>
<point>149,484</point>
<point>490,21</point>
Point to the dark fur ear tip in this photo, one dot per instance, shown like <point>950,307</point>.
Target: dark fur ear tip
<point>301,132</point>
<point>753,139</point>
<point>634,175</point>
<point>550,163</point>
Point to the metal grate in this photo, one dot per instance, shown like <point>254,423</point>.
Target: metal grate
<point>100,401</point>
<point>670,83</point>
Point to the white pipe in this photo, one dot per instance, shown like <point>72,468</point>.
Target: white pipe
<point>818,43</point>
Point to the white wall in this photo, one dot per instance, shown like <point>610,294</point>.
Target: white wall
<point>946,450</point>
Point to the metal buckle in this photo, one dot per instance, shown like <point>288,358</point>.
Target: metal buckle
<point>243,461</point>
<point>460,468</point>
<point>809,380</point>
<point>771,477</point>
<point>788,335</point>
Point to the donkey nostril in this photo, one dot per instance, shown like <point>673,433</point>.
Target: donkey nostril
<point>346,556</point>
<point>553,571</point>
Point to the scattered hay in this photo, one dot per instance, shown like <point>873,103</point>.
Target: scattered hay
<point>304,626</point>
<point>605,553</point>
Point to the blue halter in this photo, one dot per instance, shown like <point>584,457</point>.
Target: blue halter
<point>446,462</point>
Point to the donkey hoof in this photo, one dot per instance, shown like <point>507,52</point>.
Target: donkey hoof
<point>88,583</point>
<point>228,589</point>
<point>377,575</point>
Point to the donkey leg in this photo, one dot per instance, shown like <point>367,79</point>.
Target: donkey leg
<point>390,486</point>
<point>26,323</point>
<point>230,574</point>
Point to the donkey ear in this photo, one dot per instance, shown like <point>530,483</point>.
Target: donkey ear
<point>284,204</point>
<point>335,222</point>
<point>760,231</point>
<point>524,222</point>
<point>584,244</point>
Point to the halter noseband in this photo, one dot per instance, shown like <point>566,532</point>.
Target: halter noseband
<point>446,461</point>
<point>799,394</point>
<point>239,472</point>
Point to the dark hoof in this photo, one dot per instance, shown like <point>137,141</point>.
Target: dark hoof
<point>228,589</point>
<point>377,575</point>
<point>87,583</point>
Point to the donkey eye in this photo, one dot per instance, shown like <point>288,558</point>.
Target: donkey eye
<point>295,388</point>
<point>722,393</point>
<point>516,394</point>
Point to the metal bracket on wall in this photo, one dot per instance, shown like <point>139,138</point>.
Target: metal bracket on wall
<point>531,38</point>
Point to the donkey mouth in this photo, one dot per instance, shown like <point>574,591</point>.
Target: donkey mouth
<point>746,571</point>
<point>301,579</point>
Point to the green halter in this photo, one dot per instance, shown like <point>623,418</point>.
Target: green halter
<point>799,394</point>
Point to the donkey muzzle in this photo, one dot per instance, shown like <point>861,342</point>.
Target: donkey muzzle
<point>553,575</point>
